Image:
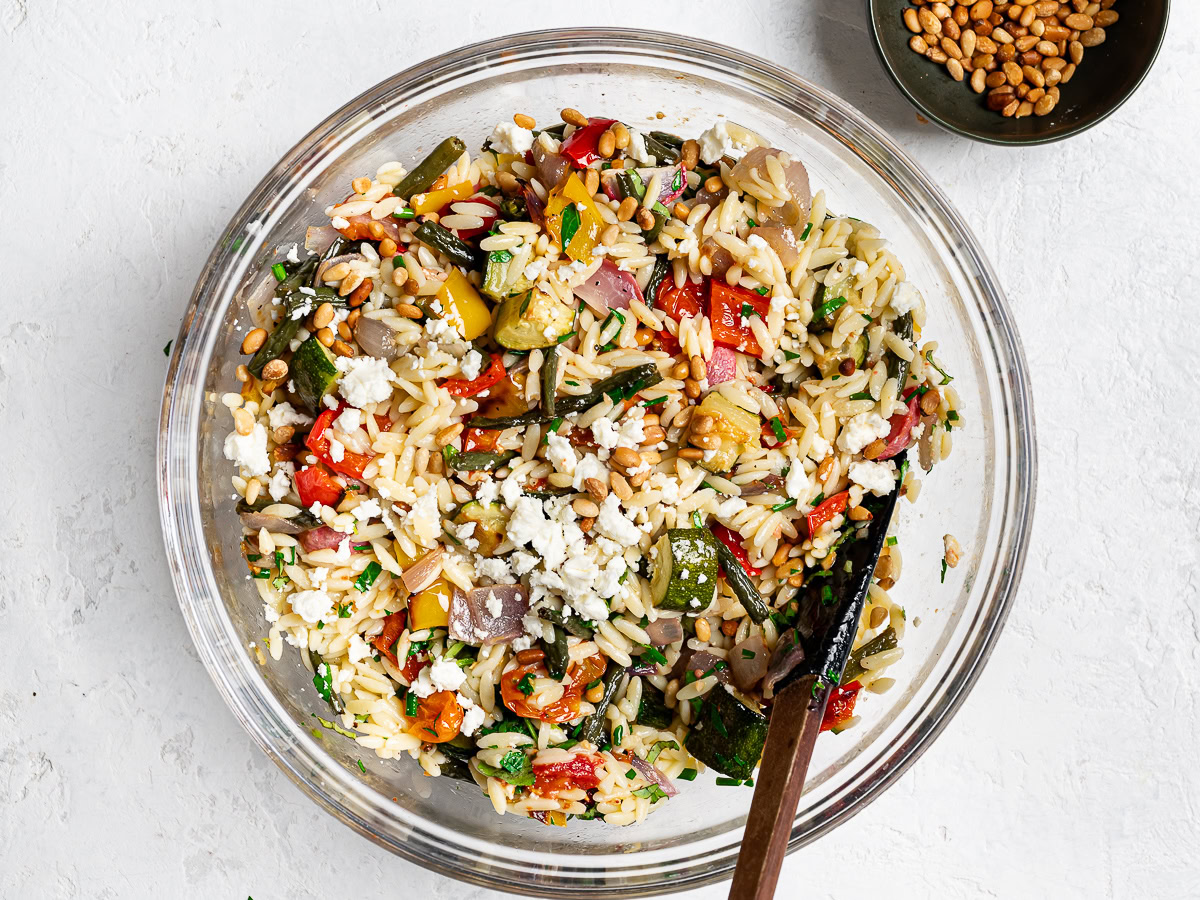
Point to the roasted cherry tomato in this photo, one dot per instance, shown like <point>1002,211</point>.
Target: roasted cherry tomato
<point>566,708</point>
<point>314,483</point>
<point>461,387</point>
<point>577,772</point>
<point>318,441</point>
<point>393,627</point>
<point>438,718</point>
<point>840,708</point>
<point>678,302</point>
<point>729,306</point>
<point>826,510</point>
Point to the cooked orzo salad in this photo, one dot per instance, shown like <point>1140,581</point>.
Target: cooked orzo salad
<point>543,451</point>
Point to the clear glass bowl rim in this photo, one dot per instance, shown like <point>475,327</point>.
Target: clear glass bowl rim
<point>200,601</point>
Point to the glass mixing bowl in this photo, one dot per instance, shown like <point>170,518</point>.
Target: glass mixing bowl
<point>983,494</point>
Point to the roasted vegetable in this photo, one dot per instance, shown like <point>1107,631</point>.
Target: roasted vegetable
<point>621,386</point>
<point>727,734</point>
<point>313,373</point>
<point>653,709</point>
<point>685,570</point>
<point>896,366</point>
<point>463,307</point>
<point>593,729</point>
<point>737,429</point>
<point>443,241</point>
<point>490,522</point>
<point>885,640</point>
<point>426,172</point>
<point>741,585</point>
<point>531,320</point>
<point>475,460</point>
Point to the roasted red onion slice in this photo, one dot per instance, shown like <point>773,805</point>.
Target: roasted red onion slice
<point>787,655</point>
<point>323,538</point>
<point>722,367</point>
<point>608,288</point>
<point>424,571</point>
<point>472,620</point>
<point>665,631</point>
<point>748,670</point>
<point>650,773</point>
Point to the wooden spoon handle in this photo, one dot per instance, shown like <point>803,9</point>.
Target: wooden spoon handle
<point>795,724</point>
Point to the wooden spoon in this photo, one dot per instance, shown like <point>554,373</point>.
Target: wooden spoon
<point>799,706</point>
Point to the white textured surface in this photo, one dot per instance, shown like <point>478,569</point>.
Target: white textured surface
<point>132,133</point>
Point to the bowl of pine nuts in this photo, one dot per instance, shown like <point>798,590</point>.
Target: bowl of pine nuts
<point>1022,72</point>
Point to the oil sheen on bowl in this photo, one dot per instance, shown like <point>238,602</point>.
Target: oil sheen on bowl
<point>983,493</point>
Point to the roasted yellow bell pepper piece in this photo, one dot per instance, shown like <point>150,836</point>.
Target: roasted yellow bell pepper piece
<point>585,219</point>
<point>426,609</point>
<point>432,201</point>
<point>463,307</point>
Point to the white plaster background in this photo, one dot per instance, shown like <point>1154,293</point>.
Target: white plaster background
<point>132,130</point>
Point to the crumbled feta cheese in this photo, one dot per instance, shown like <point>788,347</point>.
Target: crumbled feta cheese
<point>495,569</point>
<point>446,674</point>
<point>861,430</point>
<point>311,606</point>
<point>605,433</point>
<point>796,482</point>
<point>589,467</point>
<point>510,490</point>
<point>440,329</point>
<point>536,269</point>
<point>488,492</point>
<point>425,518</point>
<point>343,551</point>
<point>358,649</point>
<point>757,241</point>
<point>293,256</point>
<point>337,450</point>
<point>905,298</point>
<point>281,481</point>
<point>367,510</point>
<point>330,401</point>
<point>727,509</point>
<point>612,523</point>
<point>579,574</point>
<point>877,477</point>
<point>858,268</point>
<point>609,582</point>
<point>473,716</point>
<point>561,454</point>
<point>471,365</point>
<point>717,142</point>
<point>819,448</point>
<point>364,380</point>
<point>631,432</point>
<point>285,414</point>
<point>348,421</point>
<point>339,222</point>
<point>249,451</point>
<point>637,148</point>
<point>523,563</point>
<point>509,137</point>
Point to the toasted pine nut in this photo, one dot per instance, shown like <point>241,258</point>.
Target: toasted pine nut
<point>574,117</point>
<point>275,370</point>
<point>626,210</point>
<point>703,629</point>
<point>253,341</point>
<point>341,348</point>
<point>524,121</point>
<point>597,488</point>
<point>408,311</point>
<point>448,434</point>
<point>361,185</point>
<point>243,421</point>
<point>585,507</point>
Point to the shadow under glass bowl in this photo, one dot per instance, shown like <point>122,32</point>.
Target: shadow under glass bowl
<point>983,493</point>
<point>1107,77</point>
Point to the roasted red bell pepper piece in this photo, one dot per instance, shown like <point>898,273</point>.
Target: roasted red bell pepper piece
<point>733,541</point>
<point>488,221</point>
<point>902,426</point>
<point>460,387</point>
<point>826,510</point>
<point>318,442</point>
<point>314,483</point>
<point>840,708</point>
<point>486,439</point>
<point>393,627</point>
<point>580,147</point>
<point>577,772</point>
<point>726,313</point>
<point>678,302</point>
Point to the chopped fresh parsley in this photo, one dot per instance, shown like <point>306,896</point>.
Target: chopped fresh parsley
<point>891,541</point>
<point>945,566</point>
<point>654,654</point>
<point>728,782</point>
<point>167,349</point>
<point>806,232</point>
<point>632,773</point>
<point>566,337</point>
<point>687,775</point>
<point>410,704</point>
<point>618,733</point>
<point>659,747</point>
<point>747,654</point>
<point>361,767</point>
<point>787,504</point>
<point>777,427</point>
<point>368,576</point>
<point>570,224</point>
<point>651,792</point>
<point>655,401</point>
<point>826,595</point>
<point>279,272</point>
<point>862,395</point>
<point>525,685</point>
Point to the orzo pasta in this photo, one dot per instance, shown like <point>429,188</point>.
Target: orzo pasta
<point>543,451</point>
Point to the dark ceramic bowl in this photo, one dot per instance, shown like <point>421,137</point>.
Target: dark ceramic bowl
<point>1105,79</point>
